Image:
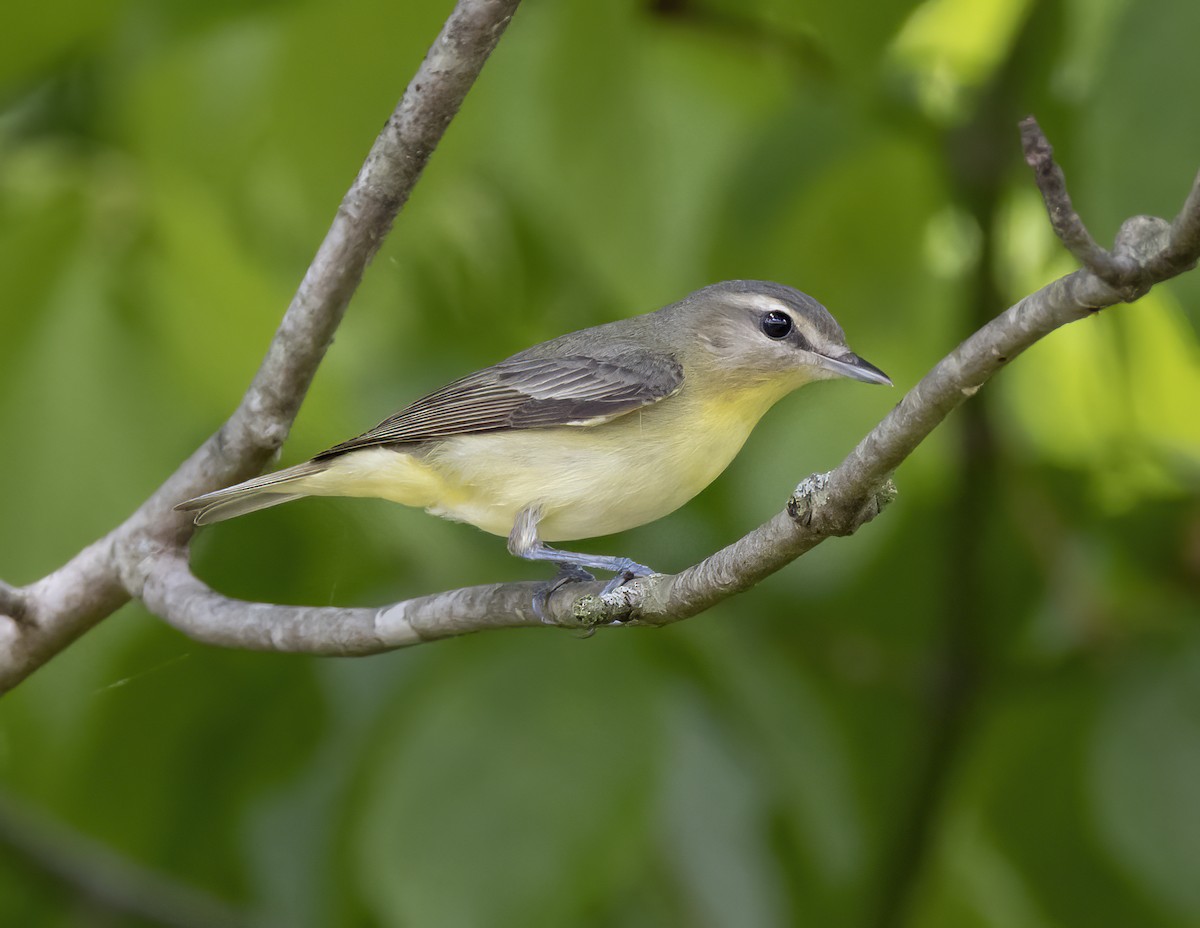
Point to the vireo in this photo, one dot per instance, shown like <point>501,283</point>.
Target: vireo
<point>587,434</point>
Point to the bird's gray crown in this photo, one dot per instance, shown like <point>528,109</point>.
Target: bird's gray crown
<point>761,294</point>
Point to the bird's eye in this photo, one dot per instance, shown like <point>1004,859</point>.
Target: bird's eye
<point>776,324</point>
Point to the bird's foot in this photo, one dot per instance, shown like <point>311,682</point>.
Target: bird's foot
<point>626,570</point>
<point>567,573</point>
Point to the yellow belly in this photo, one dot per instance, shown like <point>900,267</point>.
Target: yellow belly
<point>586,481</point>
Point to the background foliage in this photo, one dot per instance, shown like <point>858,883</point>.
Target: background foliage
<point>980,711</point>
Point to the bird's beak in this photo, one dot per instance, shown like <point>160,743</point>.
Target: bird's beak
<point>852,366</point>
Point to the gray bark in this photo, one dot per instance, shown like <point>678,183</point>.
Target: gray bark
<point>146,556</point>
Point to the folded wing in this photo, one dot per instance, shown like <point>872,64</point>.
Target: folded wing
<point>528,393</point>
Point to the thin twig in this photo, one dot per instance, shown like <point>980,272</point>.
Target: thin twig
<point>1068,225</point>
<point>1185,230</point>
<point>102,577</point>
<point>383,185</point>
<point>1138,259</point>
<point>147,554</point>
<point>1183,238</point>
<point>822,507</point>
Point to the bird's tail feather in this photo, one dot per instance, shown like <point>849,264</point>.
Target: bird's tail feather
<point>282,486</point>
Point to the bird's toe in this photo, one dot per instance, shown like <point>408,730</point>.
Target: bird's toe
<point>567,573</point>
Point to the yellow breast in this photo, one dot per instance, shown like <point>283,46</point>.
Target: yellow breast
<point>587,481</point>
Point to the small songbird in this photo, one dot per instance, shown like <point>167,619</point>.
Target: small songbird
<point>591,433</point>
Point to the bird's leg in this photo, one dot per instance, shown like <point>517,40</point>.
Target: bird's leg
<point>523,541</point>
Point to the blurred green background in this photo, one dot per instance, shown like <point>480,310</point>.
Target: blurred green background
<point>983,710</point>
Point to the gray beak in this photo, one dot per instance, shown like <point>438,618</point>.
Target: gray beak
<point>852,366</point>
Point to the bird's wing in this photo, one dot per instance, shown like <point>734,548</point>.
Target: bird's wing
<point>529,393</point>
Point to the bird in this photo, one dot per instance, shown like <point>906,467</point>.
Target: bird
<point>588,434</point>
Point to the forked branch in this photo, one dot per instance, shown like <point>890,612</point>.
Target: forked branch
<point>1148,251</point>
<point>147,555</point>
<point>38,621</point>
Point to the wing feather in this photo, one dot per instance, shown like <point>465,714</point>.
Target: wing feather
<point>527,393</point>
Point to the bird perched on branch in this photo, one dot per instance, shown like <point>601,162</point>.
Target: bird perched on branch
<point>590,433</point>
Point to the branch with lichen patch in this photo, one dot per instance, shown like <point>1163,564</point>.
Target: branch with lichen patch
<point>1147,251</point>
<point>147,556</point>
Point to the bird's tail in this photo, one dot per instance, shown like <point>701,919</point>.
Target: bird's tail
<point>260,493</point>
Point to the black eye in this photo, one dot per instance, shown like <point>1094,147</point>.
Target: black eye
<point>776,324</point>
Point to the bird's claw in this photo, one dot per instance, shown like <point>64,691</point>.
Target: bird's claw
<point>624,568</point>
<point>567,573</point>
<point>627,570</point>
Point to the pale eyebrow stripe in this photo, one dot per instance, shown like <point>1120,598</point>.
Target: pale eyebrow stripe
<point>766,304</point>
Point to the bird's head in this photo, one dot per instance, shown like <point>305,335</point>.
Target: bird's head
<point>756,333</point>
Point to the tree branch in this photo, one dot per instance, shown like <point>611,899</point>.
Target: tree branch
<point>1143,255</point>
<point>1147,251</point>
<point>40,620</point>
<point>175,594</point>
<point>146,556</point>
<point>12,601</point>
<point>1039,155</point>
